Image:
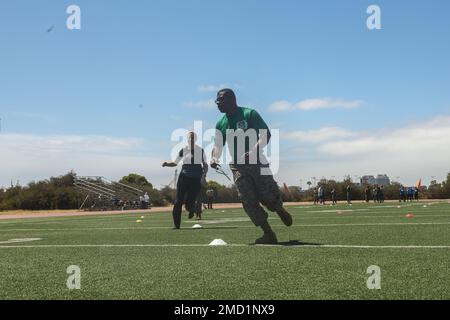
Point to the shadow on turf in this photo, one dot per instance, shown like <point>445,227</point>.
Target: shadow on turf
<point>294,243</point>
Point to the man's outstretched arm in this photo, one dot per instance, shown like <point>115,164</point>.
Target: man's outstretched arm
<point>171,164</point>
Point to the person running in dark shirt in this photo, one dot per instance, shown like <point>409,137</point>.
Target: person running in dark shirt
<point>193,171</point>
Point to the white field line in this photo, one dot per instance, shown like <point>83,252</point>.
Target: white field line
<point>131,219</point>
<point>228,245</point>
<point>20,240</point>
<point>75,219</point>
<point>225,227</point>
<point>391,217</point>
<point>374,206</point>
<point>336,210</point>
<point>225,220</point>
<point>345,216</point>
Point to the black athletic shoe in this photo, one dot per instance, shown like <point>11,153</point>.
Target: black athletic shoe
<point>267,238</point>
<point>285,216</point>
<point>176,228</point>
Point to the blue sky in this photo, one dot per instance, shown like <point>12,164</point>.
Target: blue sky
<point>105,99</point>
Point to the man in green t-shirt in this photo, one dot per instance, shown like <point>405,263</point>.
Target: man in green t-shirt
<point>247,134</point>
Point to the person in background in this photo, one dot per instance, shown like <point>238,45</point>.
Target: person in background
<point>367,194</point>
<point>349,194</point>
<point>316,196</point>
<point>333,196</point>
<point>410,194</point>
<point>381,194</point>
<point>210,197</point>
<point>401,194</point>
<point>141,202</point>
<point>146,201</point>
<point>198,206</point>
<point>321,195</point>
<point>199,200</point>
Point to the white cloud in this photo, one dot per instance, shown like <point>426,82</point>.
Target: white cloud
<point>31,144</point>
<point>411,152</point>
<point>315,104</point>
<point>204,104</point>
<point>322,134</point>
<point>27,157</point>
<point>431,137</point>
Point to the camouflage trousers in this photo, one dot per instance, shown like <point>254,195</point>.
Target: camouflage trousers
<point>256,189</point>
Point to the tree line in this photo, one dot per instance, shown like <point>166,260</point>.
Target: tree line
<point>60,192</point>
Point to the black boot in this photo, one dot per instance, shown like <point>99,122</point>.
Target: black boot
<point>285,216</point>
<point>267,238</point>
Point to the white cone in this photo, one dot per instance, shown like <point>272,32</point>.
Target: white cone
<point>218,242</point>
<point>196,226</point>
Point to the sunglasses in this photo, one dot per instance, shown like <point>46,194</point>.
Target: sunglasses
<point>219,100</point>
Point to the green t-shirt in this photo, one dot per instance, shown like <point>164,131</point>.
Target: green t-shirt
<point>244,119</point>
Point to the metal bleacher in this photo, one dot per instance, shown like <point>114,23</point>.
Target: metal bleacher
<point>102,194</point>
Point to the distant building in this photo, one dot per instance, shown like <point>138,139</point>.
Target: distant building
<point>368,180</point>
<point>381,180</point>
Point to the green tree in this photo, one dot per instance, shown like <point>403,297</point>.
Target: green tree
<point>446,187</point>
<point>136,180</point>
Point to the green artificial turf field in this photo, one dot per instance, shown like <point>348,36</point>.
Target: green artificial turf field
<point>324,255</point>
